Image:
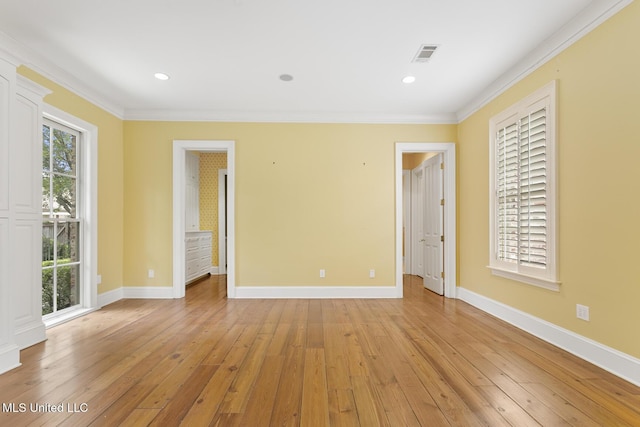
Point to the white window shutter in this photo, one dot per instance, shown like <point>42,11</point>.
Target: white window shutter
<point>523,218</point>
<point>508,193</point>
<point>533,194</point>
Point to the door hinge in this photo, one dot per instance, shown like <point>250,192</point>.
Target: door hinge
<point>441,202</point>
<point>442,238</point>
<point>442,274</point>
<point>442,165</point>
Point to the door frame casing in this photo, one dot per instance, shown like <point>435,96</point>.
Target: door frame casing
<point>417,220</point>
<point>222,218</point>
<point>180,147</point>
<point>448,150</point>
<point>406,219</point>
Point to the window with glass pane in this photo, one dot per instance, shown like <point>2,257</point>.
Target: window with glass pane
<point>523,190</point>
<point>61,227</point>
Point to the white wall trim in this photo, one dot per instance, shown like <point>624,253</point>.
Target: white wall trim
<point>621,364</point>
<point>315,292</point>
<point>135,292</point>
<point>9,357</point>
<point>21,54</point>
<point>407,218</point>
<point>586,21</point>
<point>30,333</point>
<point>448,150</point>
<point>595,14</point>
<point>147,292</point>
<point>110,297</point>
<point>180,147</point>
<point>222,218</point>
<point>62,318</point>
<point>286,117</point>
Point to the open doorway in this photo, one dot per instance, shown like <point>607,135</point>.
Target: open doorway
<point>180,148</point>
<point>406,258</point>
<point>423,218</point>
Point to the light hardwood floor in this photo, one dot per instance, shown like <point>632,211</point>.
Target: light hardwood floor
<point>205,360</point>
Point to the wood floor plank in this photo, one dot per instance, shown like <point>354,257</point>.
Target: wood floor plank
<point>315,400</point>
<point>423,360</point>
<point>212,396</point>
<point>337,363</point>
<point>140,417</point>
<point>370,410</point>
<point>261,401</point>
<point>342,409</point>
<point>288,396</point>
<point>238,394</point>
<point>176,408</point>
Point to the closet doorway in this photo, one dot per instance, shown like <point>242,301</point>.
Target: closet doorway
<point>180,148</point>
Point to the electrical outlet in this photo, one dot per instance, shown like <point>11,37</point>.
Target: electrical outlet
<point>98,279</point>
<point>322,273</point>
<point>372,273</point>
<point>582,312</point>
<point>152,274</point>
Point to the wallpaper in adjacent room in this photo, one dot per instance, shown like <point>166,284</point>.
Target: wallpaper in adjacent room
<point>210,163</point>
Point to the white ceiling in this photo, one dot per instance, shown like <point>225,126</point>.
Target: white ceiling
<point>347,57</point>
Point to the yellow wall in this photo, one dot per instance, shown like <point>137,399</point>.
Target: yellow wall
<point>413,160</point>
<point>308,196</point>
<point>311,196</point>
<point>110,176</point>
<point>598,181</point>
<point>210,164</point>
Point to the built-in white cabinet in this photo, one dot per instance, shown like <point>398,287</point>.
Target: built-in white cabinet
<point>26,198</point>
<point>197,243</point>
<point>198,254</point>
<point>192,192</point>
<point>21,322</point>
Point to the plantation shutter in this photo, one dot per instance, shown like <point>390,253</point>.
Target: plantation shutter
<point>507,192</point>
<point>533,190</point>
<point>521,191</point>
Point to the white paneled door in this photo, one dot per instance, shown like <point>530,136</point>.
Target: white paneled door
<point>417,220</point>
<point>433,238</point>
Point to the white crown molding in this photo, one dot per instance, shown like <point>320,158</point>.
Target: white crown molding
<point>285,117</point>
<point>590,18</point>
<point>596,13</point>
<point>618,363</point>
<point>24,56</point>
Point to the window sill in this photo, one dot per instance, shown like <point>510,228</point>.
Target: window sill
<point>55,320</point>
<point>551,285</point>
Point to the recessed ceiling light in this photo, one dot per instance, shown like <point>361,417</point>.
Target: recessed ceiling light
<point>408,79</point>
<point>286,77</point>
<point>161,76</point>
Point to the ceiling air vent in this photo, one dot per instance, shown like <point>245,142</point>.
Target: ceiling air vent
<point>424,53</point>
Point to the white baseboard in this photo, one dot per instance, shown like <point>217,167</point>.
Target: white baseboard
<point>9,357</point>
<point>215,270</point>
<point>110,297</point>
<point>316,292</point>
<point>29,334</point>
<point>148,292</point>
<point>607,358</point>
<point>140,292</point>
